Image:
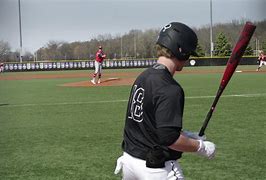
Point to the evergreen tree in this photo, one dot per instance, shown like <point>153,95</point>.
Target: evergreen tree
<point>222,46</point>
<point>200,51</point>
<point>248,51</point>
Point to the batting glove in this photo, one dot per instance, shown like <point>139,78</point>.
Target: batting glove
<point>193,135</point>
<point>206,149</point>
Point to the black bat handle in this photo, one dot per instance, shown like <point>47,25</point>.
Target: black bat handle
<point>209,115</point>
<point>205,124</point>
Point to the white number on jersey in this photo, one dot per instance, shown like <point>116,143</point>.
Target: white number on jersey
<point>136,108</point>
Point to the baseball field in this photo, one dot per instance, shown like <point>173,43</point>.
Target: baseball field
<point>56,125</point>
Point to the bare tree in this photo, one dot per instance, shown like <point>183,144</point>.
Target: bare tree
<point>4,51</point>
<point>52,50</point>
<point>140,44</point>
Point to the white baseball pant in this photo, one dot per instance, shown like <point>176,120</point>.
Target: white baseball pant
<point>135,169</point>
<point>262,63</point>
<point>98,67</point>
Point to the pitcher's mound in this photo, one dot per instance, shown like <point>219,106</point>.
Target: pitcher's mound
<point>104,82</point>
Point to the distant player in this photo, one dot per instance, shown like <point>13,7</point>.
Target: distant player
<point>154,139</point>
<point>99,57</point>
<point>1,67</point>
<point>262,59</point>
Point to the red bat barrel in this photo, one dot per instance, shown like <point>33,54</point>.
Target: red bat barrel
<point>238,52</point>
<point>232,63</point>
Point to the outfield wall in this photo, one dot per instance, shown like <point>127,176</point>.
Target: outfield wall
<point>113,64</point>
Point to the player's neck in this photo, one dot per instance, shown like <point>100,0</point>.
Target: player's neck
<point>168,63</point>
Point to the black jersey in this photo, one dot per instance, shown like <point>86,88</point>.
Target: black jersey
<point>156,101</point>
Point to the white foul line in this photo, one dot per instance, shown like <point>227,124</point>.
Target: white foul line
<point>232,95</point>
<point>122,100</point>
<point>62,103</point>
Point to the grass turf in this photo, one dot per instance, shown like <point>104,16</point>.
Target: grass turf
<point>53,132</point>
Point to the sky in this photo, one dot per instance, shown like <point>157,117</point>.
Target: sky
<point>80,20</point>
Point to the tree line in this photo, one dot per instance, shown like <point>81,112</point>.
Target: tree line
<point>140,44</point>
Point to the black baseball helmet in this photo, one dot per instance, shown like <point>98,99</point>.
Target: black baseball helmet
<point>180,39</point>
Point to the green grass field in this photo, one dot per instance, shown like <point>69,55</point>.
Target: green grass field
<point>50,132</point>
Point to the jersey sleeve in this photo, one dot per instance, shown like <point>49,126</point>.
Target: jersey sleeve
<point>169,107</point>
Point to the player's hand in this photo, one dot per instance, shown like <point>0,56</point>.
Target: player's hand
<point>206,149</point>
<point>194,135</point>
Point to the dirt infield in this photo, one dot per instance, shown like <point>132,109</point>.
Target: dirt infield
<point>109,79</point>
<point>104,82</point>
<point>25,76</point>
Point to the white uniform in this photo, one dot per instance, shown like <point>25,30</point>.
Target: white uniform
<point>262,59</point>
<point>135,169</point>
<point>262,62</point>
<point>1,67</point>
<point>98,67</point>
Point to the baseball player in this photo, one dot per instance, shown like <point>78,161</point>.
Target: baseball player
<point>99,57</point>
<point>262,59</point>
<point>1,67</point>
<point>154,139</point>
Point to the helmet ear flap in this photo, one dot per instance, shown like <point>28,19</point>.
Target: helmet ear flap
<point>181,56</point>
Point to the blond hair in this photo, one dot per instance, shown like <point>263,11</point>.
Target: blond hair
<point>162,51</point>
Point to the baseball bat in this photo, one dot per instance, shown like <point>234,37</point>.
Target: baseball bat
<point>232,63</point>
